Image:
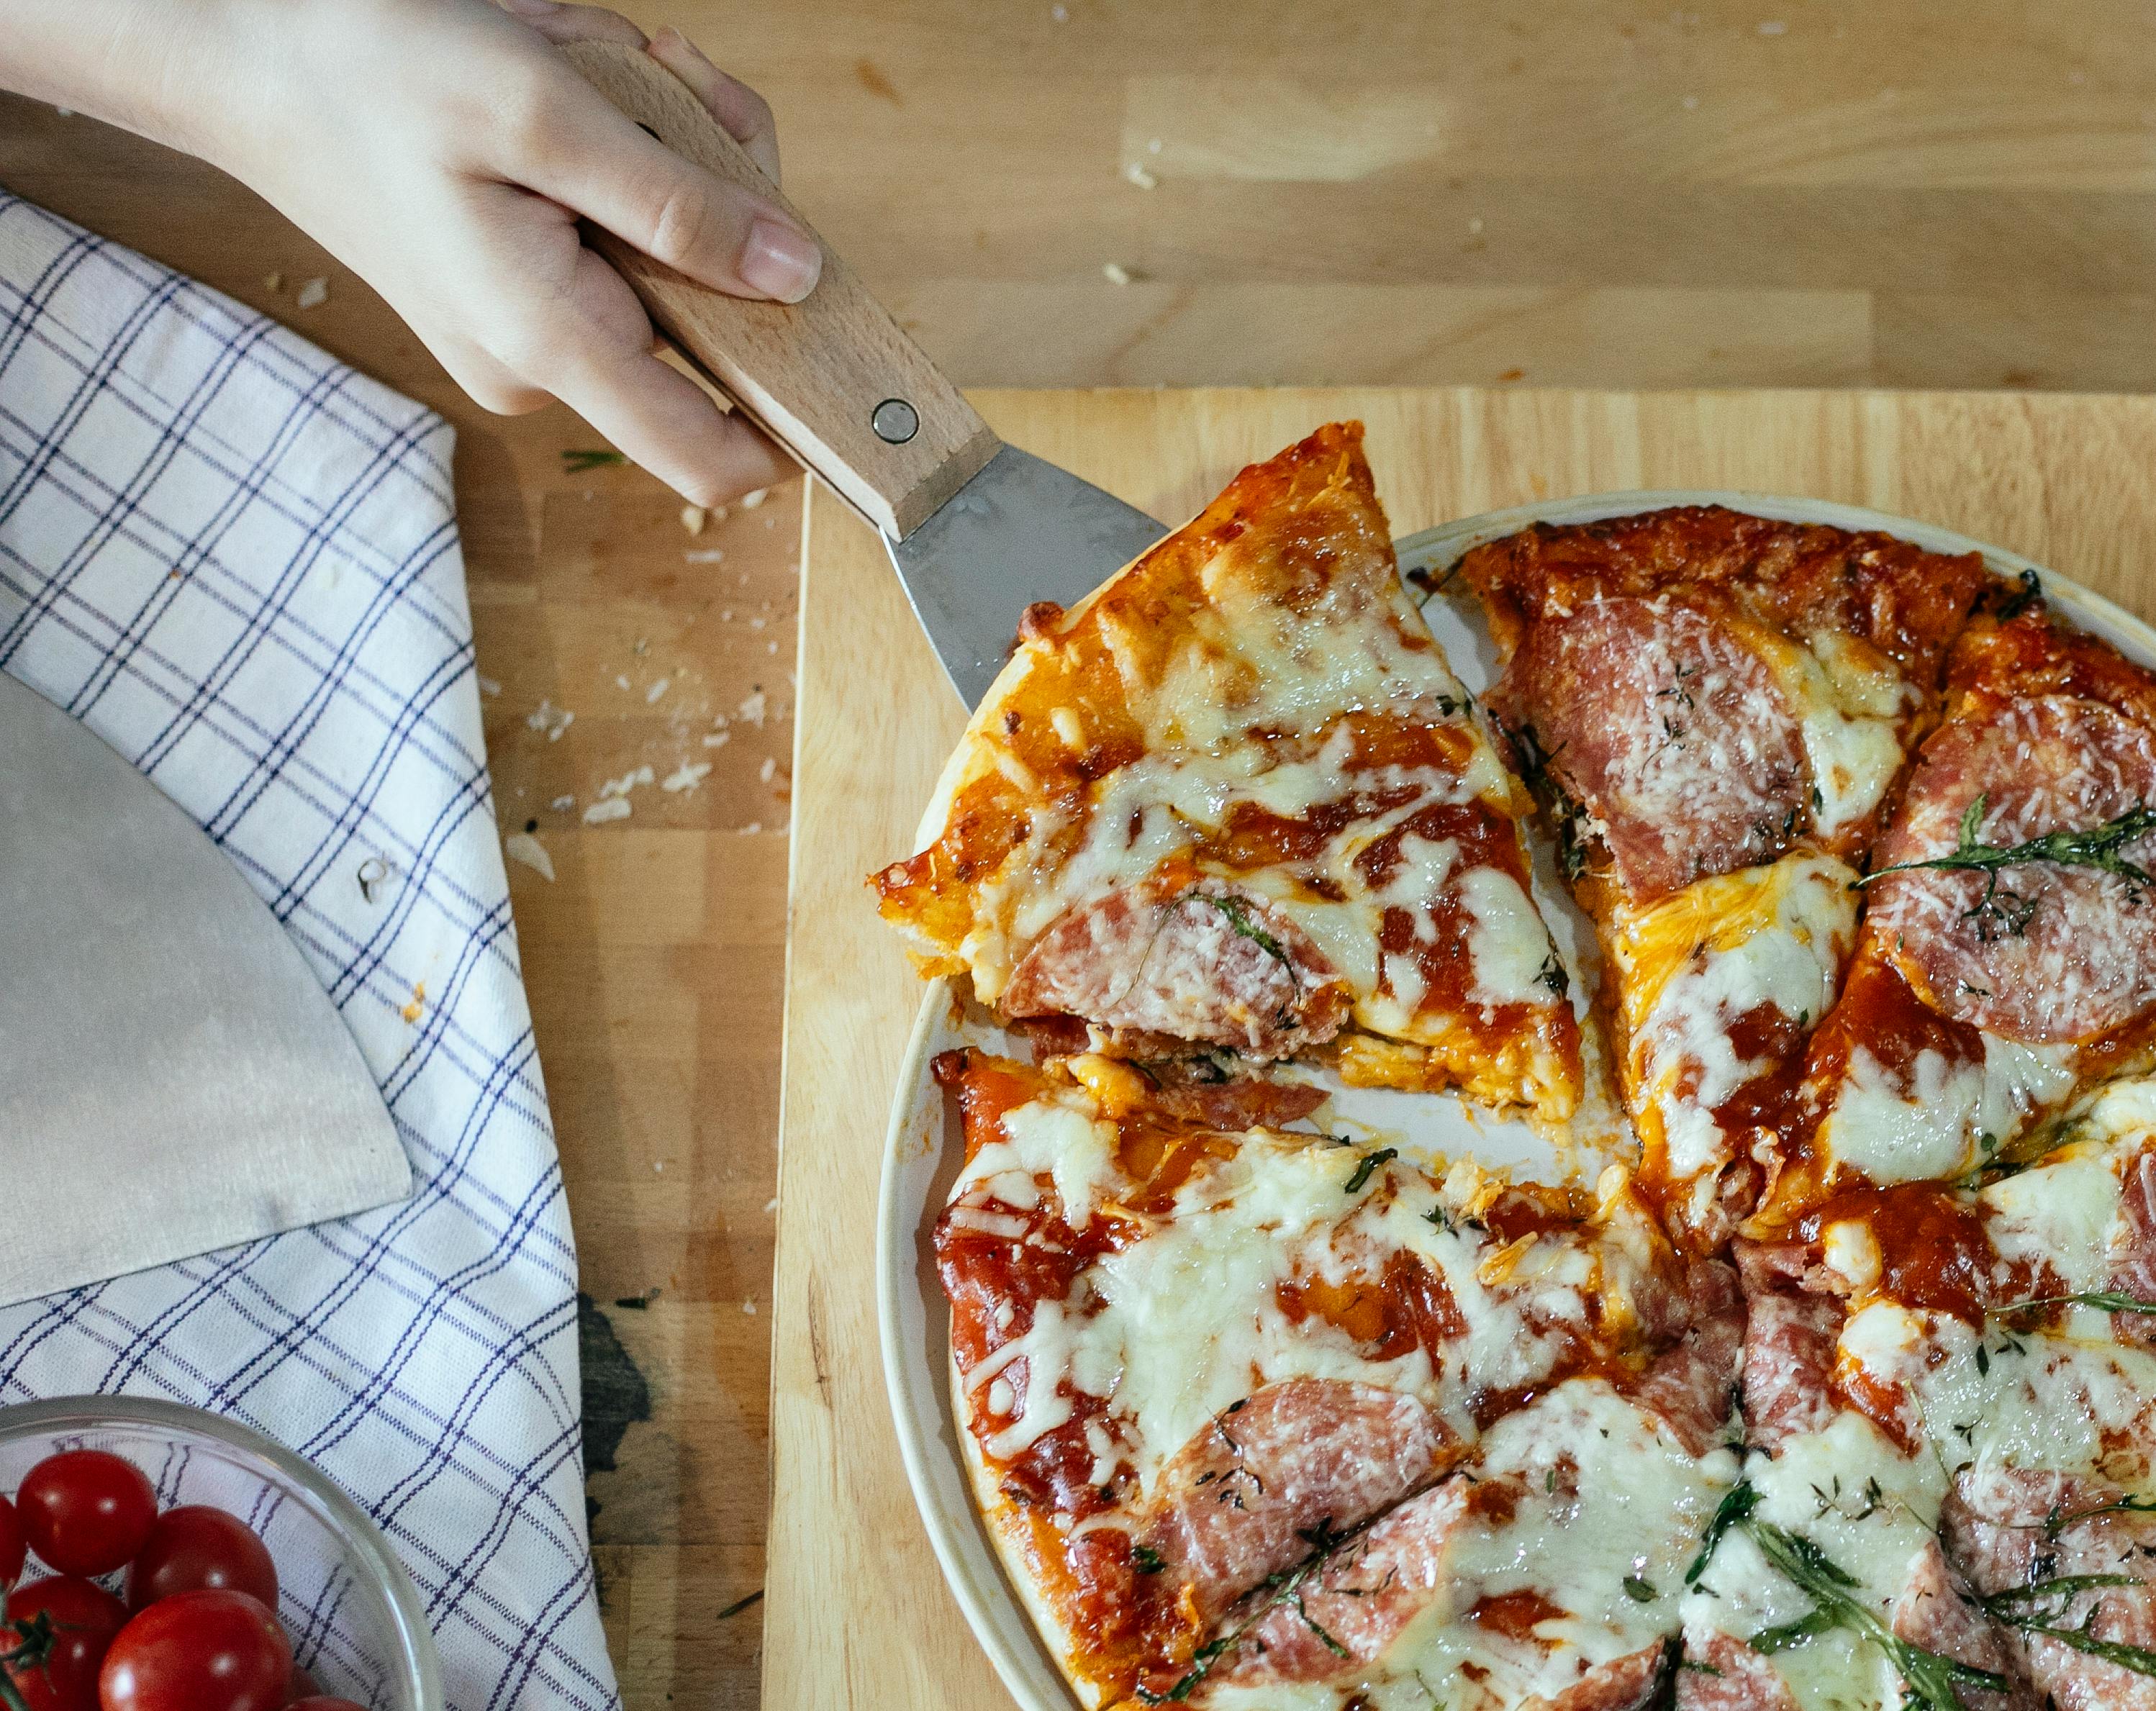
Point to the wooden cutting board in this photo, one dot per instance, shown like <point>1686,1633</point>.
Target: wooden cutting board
<point>857,1613</point>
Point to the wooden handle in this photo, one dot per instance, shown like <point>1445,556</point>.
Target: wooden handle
<point>821,375</point>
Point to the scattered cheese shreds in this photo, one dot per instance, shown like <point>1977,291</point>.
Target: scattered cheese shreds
<point>657,689</point>
<point>753,708</point>
<point>717,739</point>
<point>562,803</point>
<point>686,777</point>
<point>1116,274</point>
<point>769,770</point>
<point>550,718</point>
<point>693,518</point>
<point>750,500</point>
<point>523,846</point>
<point>622,786</point>
<point>488,686</point>
<point>612,809</point>
<point>752,825</point>
<point>275,282</point>
<point>706,556</point>
<point>314,293</point>
<point>1137,173</point>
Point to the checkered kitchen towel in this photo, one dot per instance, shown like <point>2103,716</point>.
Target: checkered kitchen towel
<point>236,561</point>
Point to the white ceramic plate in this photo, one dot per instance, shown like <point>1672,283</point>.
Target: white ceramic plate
<point>924,1150</point>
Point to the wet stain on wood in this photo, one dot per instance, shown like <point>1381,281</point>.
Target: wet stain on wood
<point>615,1394</point>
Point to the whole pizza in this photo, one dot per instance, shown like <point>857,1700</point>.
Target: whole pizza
<point>1836,1391</point>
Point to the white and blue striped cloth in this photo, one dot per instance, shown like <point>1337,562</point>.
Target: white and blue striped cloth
<point>237,560</point>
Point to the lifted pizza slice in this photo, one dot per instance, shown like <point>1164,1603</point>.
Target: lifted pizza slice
<point>1236,800</point>
<point>1255,1411</point>
<point>2007,956</point>
<point>1714,708</point>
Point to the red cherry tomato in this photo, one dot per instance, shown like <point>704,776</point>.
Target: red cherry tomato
<point>12,1547</point>
<point>86,1512</point>
<point>77,1620</point>
<point>210,1650</point>
<point>195,1548</point>
<point>324,1702</point>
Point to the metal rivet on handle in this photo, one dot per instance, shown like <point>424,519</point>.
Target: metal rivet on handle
<point>896,421</point>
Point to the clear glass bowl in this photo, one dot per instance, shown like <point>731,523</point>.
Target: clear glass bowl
<point>353,1614</point>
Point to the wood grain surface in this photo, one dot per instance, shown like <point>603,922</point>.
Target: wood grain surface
<point>1784,193</point>
<point>856,1612</point>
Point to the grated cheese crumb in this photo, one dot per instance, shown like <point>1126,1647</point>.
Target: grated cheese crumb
<point>657,689</point>
<point>1137,173</point>
<point>750,500</point>
<point>1116,274</point>
<point>313,293</point>
<point>693,518</point>
<point>753,708</point>
<point>627,782</point>
<point>562,803</point>
<point>717,739</point>
<point>488,686</point>
<point>686,777</point>
<point>523,846</point>
<point>769,769</point>
<point>706,556</point>
<point>550,718</point>
<point>611,808</point>
<point>411,1012</point>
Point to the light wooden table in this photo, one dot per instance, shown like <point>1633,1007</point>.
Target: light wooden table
<point>1783,192</point>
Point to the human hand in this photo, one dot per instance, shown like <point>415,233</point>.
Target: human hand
<point>444,151</point>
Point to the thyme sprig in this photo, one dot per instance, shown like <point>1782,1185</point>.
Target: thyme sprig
<point>2108,1300</point>
<point>2013,1608</point>
<point>2096,847</point>
<point>1240,923</point>
<point>1370,1164</point>
<point>578,459</point>
<point>1737,1504</point>
<point>2060,1519</point>
<point>2002,1604</point>
<point>1286,1587</point>
<point>1933,1679</point>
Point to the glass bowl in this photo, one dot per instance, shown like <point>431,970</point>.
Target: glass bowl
<point>353,1614</point>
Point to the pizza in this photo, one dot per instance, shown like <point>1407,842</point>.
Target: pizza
<point>1834,1390</point>
<point>1235,807</point>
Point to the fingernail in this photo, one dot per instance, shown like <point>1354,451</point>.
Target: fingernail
<point>781,262</point>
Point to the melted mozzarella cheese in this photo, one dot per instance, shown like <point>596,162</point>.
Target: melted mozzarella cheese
<point>1176,1325</point>
<point>2058,1216</point>
<point>1607,1501</point>
<point>1853,707</point>
<point>1935,1118</point>
<point>1691,964</point>
<point>1871,1510</point>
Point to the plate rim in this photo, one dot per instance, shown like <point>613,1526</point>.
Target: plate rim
<point>998,1614</point>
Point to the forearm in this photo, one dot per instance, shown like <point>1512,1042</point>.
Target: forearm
<point>154,67</point>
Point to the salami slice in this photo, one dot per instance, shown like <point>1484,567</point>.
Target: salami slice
<point>2009,1527</point>
<point>1242,1500</point>
<point>1669,732</point>
<point>2133,1246</point>
<point>1790,1345</point>
<point>1689,1385</point>
<point>1206,963</point>
<point>1935,1612</point>
<point>1725,1674</point>
<point>2040,951</point>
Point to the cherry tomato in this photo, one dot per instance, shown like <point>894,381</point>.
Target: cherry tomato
<point>10,1544</point>
<point>80,1619</point>
<point>215,1650</point>
<point>324,1702</point>
<point>86,1512</point>
<point>195,1547</point>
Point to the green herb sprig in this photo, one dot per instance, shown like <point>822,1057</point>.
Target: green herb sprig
<point>2019,1607</point>
<point>2009,912</point>
<point>2108,1300</point>
<point>577,460</point>
<point>1370,1164</point>
<point>1240,923</point>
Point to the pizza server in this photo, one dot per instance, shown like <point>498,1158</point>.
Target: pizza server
<point>978,529</point>
<point>172,1077</point>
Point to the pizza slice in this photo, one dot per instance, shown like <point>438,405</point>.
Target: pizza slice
<point>1236,801</point>
<point>1951,1469</point>
<point>1261,1412</point>
<point>1714,708</point>
<point>2008,955</point>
